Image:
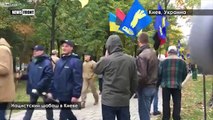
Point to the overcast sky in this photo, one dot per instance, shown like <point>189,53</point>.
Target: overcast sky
<point>205,4</point>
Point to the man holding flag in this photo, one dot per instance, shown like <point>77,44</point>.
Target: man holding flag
<point>137,19</point>
<point>147,66</point>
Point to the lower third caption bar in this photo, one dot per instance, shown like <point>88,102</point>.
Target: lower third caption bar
<point>18,106</point>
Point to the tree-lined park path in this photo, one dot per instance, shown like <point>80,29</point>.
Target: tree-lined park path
<point>91,112</point>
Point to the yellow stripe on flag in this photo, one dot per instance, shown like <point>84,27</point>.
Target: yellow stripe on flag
<point>163,22</point>
<point>114,27</point>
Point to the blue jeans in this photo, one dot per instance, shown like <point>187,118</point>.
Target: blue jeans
<point>29,113</point>
<point>109,113</point>
<point>145,97</point>
<point>3,107</point>
<point>155,101</point>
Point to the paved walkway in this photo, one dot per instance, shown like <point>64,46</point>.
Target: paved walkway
<point>91,112</point>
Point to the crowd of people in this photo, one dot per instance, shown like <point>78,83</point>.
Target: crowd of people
<point>120,77</point>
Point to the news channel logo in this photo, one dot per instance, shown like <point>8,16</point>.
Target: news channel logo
<point>24,12</point>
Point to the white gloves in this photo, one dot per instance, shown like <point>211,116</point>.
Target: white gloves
<point>34,91</point>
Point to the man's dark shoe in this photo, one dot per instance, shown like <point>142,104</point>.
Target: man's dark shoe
<point>157,113</point>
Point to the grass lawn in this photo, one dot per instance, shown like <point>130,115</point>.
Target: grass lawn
<point>192,99</point>
<point>21,95</point>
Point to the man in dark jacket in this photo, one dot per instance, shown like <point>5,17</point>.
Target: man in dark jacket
<point>120,80</point>
<point>67,82</point>
<point>147,65</point>
<point>40,74</point>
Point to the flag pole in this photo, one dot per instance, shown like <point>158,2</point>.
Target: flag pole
<point>166,2</point>
<point>135,47</point>
<point>204,95</point>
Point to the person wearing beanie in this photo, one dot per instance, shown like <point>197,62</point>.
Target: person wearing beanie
<point>173,71</point>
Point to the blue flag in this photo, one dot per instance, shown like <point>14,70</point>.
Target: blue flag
<point>135,20</point>
<point>160,24</point>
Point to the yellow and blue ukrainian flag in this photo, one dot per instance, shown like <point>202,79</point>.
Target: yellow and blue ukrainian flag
<point>112,23</point>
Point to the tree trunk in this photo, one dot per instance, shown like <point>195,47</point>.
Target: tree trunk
<point>22,56</point>
<point>53,28</point>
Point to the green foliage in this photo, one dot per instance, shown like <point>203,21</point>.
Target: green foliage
<point>193,3</point>
<point>88,26</point>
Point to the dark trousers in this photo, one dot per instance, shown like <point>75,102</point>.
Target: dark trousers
<point>176,97</point>
<point>3,107</point>
<point>100,84</point>
<point>66,113</point>
<point>109,113</point>
<point>33,100</point>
